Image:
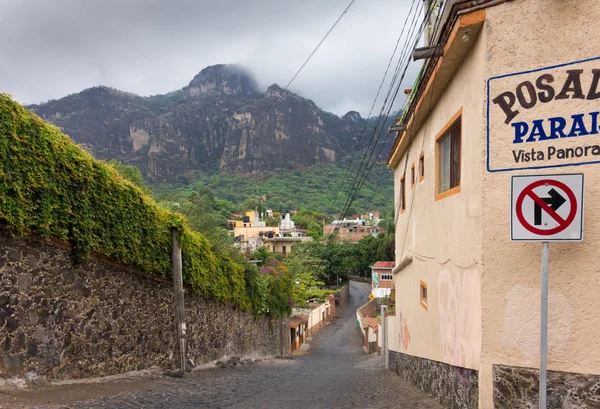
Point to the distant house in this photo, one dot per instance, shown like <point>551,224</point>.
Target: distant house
<point>374,215</point>
<point>249,219</point>
<point>350,230</point>
<point>381,278</point>
<point>283,245</point>
<point>251,238</point>
<point>248,232</point>
<point>286,223</point>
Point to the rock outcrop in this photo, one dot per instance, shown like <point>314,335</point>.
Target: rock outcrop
<point>220,121</point>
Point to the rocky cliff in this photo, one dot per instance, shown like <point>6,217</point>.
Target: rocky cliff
<point>212,123</point>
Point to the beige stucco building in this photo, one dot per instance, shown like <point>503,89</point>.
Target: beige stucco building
<point>283,245</point>
<point>516,92</point>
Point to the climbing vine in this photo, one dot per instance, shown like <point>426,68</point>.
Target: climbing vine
<point>52,188</point>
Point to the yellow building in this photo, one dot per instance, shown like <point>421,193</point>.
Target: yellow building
<point>516,92</point>
<point>250,219</point>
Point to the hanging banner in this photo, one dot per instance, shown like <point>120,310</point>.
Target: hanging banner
<point>544,118</point>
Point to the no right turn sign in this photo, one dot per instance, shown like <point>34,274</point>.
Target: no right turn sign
<point>547,208</point>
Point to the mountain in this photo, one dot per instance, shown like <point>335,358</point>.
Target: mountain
<point>216,122</point>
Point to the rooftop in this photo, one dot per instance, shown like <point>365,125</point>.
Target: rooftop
<point>298,319</point>
<point>464,16</point>
<point>287,239</point>
<point>383,264</point>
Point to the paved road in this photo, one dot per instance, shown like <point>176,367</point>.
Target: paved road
<point>335,374</point>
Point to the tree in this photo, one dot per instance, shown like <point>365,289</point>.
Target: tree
<point>132,174</point>
<point>305,217</point>
<point>277,280</point>
<point>205,214</point>
<point>315,230</point>
<point>263,255</point>
<point>252,203</point>
<point>387,242</point>
<point>305,269</point>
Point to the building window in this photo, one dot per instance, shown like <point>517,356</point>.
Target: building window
<point>423,295</point>
<point>284,250</point>
<point>402,198</point>
<point>385,277</point>
<point>422,166</point>
<point>413,177</point>
<point>448,155</point>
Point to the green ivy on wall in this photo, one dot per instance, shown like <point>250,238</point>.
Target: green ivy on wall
<point>52,188</point>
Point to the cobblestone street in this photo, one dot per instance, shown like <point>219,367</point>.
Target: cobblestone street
<point>334,374</point>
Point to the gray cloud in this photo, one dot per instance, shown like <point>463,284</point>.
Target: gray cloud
<point>52,48</point>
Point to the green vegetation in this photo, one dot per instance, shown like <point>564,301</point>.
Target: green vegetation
<point>316,268</point>
<point>132,174</point>
<point>313,188</point>
<point>311,221</point>
<point>52,188</point>
<point>205,213</point>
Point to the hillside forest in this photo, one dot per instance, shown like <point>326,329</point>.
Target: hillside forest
<point>209,201</point>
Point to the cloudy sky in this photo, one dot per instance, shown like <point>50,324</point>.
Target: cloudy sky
<point>52,48</point>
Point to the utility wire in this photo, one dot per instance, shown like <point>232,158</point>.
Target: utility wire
<point>422,146</point>
<point>362,133</point>
<point>400,63</point>
<point>377,131</point>
<point>361,177</point>
<point>362,172</point>
<point>303,65</point>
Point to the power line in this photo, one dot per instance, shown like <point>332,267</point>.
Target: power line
<point>400,63</point>
<point>354,187</point>
<point>396,219</point>
<point>372,106</point>
<point>303,65</point>
<point>392,91</point>
<point>362,176</point>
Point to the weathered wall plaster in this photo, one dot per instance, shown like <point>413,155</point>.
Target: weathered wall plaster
<point>524,35</point>
<point>443,236</point>
<point>483,290</point>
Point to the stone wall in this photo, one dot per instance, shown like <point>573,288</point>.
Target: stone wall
<point>103,318</point>
<point>518,388</point>
<point>451,386</point>
<point>344,295</point>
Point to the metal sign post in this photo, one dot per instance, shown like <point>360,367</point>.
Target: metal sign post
<point>544,327</point>
<point>546,208</point>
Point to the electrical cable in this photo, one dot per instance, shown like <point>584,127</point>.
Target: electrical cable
<point>356,185</point>
<point>354,188</point>
<point>422,146</point>
<point>303,65</point>
<point>358,142</point>
<point>368,168</point>
<point>401,62</point>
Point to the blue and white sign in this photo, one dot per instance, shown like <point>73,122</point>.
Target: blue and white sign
<point>544,118</point>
